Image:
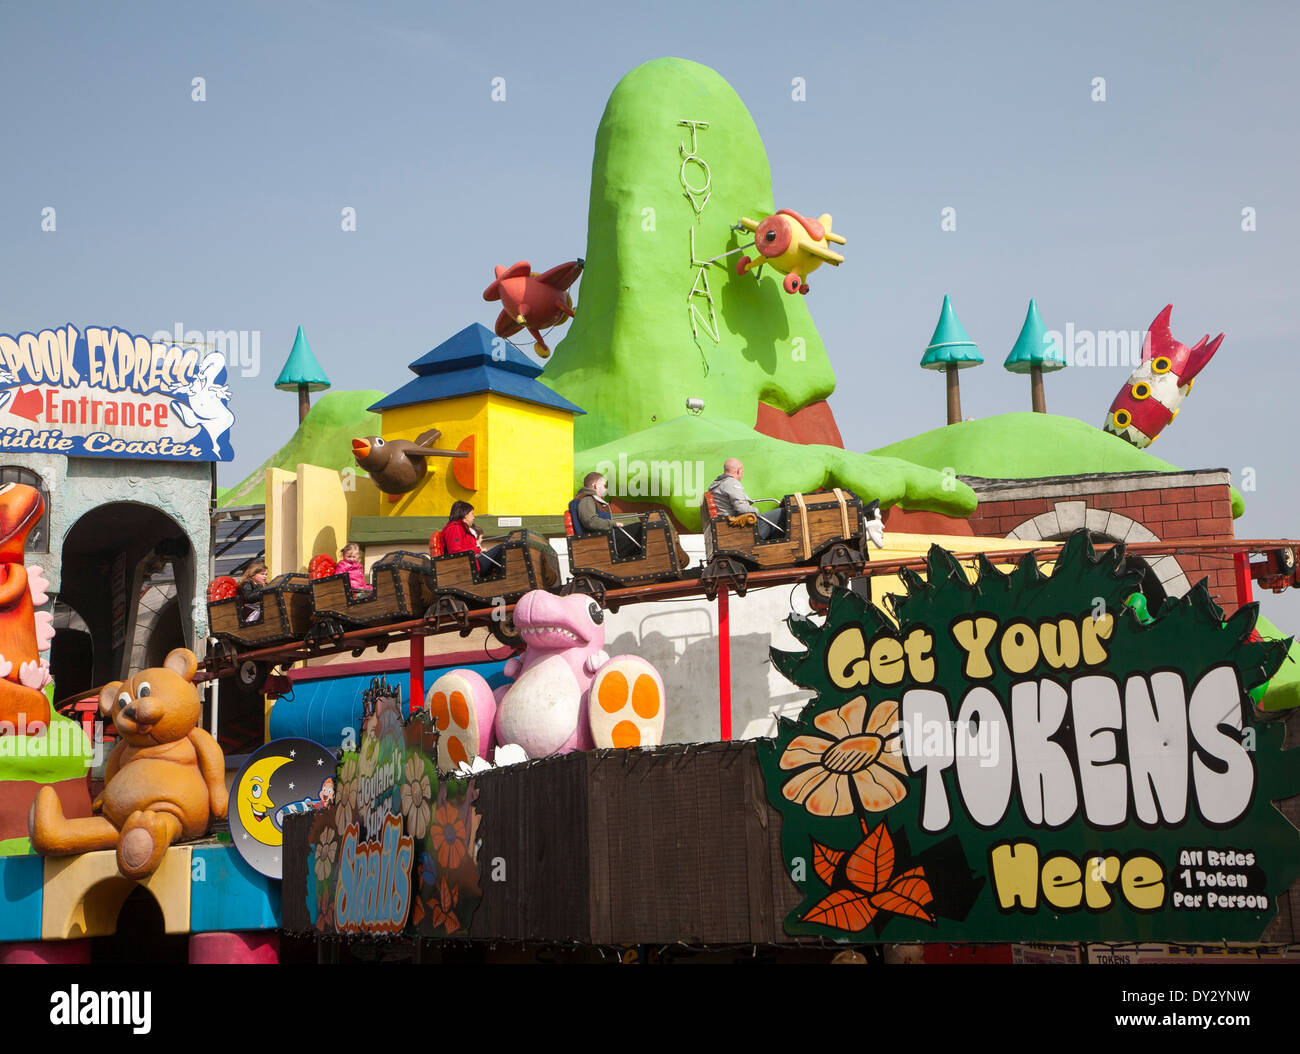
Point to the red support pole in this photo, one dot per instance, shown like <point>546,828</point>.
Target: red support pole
<point>1245,589</point>
<point>724,665</point>
<point>417,671</point>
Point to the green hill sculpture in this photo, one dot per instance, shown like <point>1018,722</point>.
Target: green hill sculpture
<point>678,161</point>
<point>655,327</point>
<point>324,438</point>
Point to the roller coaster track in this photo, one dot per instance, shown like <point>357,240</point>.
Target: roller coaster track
<point>706,586</point>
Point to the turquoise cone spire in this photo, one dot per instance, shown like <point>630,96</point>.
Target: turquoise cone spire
<point>950,346</point>
<point>1034,347</point>
<point>301,368</point>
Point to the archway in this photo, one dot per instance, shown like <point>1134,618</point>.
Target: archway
<point>165,633</point>
<point>139,927</point>
<point>1162,576</point>
<point>72,653</point>
<point>107,555</point>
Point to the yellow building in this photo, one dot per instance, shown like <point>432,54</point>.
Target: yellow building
<point>484,395</point>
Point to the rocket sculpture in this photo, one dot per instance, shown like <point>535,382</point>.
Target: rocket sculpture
<point>1150,399</point>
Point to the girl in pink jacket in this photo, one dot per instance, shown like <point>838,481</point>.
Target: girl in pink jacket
<point>350,564</point>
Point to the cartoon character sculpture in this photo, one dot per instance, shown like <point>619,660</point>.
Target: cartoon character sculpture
<point>533,301</point>
<point>23,633</point>
<point>397,465</point>
<point>792,244</point>
<point>1150,398</point>
<point>568,694</point>
<point>464,709</point>
<point>164,781</point>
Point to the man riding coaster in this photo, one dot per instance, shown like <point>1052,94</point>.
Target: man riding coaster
<point>730,498</point>
<point>591,514</point>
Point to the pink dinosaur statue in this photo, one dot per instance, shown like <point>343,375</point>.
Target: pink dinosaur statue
<point>568,694</point>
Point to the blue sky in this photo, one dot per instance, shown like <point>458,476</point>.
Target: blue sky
<point>225,214</point>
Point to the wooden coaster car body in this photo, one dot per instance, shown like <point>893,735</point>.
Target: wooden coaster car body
<point>813,523</point>
<point>527,562</point>
<point>397,593</point>
<point>286,614</point>
<point>660,558</point>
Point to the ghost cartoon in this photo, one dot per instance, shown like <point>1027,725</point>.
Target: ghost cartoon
<point>7,381</point>
<point>205,406</point>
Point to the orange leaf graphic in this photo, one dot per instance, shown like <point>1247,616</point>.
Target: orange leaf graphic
<point>909,894</point>
<point>871,863</point>
<point>825,861</point>
<point>844,909</point>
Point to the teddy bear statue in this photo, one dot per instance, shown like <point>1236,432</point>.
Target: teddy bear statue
<point>164,781</point>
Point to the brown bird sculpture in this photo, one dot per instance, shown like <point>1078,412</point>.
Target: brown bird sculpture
<point>397,465</point>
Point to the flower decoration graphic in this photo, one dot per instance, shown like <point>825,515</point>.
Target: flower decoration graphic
<point>327,848</point>
<point>416,793</point>
<point>449,837</point>
<point>856,765</point>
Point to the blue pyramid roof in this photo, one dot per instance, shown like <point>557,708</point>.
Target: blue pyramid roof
<point>475,360</point>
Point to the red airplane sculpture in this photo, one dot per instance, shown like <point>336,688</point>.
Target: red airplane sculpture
<point>533,301</point>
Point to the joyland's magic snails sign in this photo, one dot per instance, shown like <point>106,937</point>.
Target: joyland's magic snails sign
<point>397,848</point>
<point>1021,757</point>
<point>105,392</point>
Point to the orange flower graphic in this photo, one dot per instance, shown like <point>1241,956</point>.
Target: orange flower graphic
<point>450,840</point>
<point>855,767</point>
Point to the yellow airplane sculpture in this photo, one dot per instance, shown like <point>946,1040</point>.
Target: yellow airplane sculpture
<point>792,244</point>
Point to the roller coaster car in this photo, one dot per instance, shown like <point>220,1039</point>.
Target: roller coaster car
<point>651,553</point>
<point>397,593</point>
<point>827,528</point>
<point>285,614</point>
<point>457,583</point>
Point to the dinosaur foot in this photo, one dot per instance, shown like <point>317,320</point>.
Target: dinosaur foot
<point>627,704</point>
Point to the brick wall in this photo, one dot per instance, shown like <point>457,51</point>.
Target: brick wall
<point>1131,507</point>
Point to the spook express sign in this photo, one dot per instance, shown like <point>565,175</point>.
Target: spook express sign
<point>1021,757</point>
<point>105,392</point>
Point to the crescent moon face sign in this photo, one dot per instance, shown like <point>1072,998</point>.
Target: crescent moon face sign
<point>283,777</point>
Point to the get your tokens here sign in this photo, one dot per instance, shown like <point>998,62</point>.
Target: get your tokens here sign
<point>1020,757</point>
<point>105,392</point>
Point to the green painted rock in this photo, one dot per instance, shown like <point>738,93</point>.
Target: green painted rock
<point>1283,690</point>
<point>637,468</point>
<point>644,340</point>
<point>1028,446</point>
<point>61,758</point>
<point>324,438</point>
